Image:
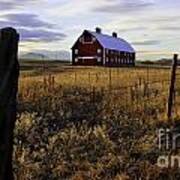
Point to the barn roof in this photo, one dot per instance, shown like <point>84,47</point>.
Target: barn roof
<point>114,43</point>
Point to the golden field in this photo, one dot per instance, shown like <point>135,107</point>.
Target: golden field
<point>91,122</point>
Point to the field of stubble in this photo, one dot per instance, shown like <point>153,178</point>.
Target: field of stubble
<point>91,123</point>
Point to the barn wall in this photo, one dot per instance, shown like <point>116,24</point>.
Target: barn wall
<point>116,58</point>
<point>87,50</point>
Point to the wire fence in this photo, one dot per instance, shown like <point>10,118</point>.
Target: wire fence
<point>131,89</point>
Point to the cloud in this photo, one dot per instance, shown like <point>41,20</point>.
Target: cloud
<point>6,6</point>
<point>31,28</point>
<point>155,52</point>
<point>124,6</point>
<point>128,29</point>
<point>24,20</point>
<point>169,28</point>
<point>36,35</point>
<point>165,19</point>
<point>146,42</point>
<point>14,4</point>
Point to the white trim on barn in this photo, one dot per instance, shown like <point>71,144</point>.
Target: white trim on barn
<point>87,57</point>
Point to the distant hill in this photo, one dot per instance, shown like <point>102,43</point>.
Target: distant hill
<point>47,55</point>
<point>33,56</point>
<point>162,62</point>
<point>56,55</point>
<point>146,62</point>
<point>165,62</point>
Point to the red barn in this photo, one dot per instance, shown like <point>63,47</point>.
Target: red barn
<point>95,48</point>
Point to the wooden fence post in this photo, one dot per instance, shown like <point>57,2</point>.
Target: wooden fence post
<point>172,87</point>
<point>147,75</point>
<point>75,78</point>
<point>110,79</point>
<point>9,73</point>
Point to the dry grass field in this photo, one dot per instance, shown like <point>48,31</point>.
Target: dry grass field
<point>91,123</point>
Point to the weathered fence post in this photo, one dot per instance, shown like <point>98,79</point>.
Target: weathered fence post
<point>9,72</point>
<point>172,87</point>
<point>110,79</point>
<point>75,78</point>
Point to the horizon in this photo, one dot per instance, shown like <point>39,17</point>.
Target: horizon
<point>152,27</point>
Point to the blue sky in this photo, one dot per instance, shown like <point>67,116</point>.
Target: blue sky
<point>152,26</point>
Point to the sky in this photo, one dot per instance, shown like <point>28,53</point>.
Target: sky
<point>151,26</point>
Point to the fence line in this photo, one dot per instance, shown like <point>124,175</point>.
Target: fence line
<point>143,89</point>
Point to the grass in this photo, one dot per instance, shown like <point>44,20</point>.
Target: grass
<point>91,123</point>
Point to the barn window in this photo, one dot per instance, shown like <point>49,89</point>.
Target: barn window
<point>93,39</point>
<point>130,56</point>
<point>99,59</point>
<point>98,51</point>
<point>88,39</point>
<point>76,51</point>
<point>76,59</point>
<point>81,39</point>
<point>131,61</point>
